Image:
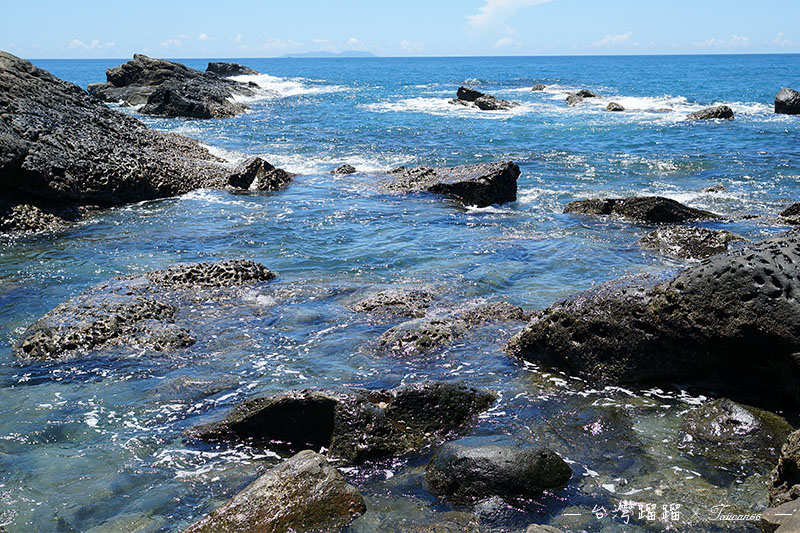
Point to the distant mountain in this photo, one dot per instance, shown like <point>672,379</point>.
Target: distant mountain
<point>346,53</point>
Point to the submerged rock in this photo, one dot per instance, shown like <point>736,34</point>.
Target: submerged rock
<point>221,68</point>
<point>541,528</point>
<point>479,185</point>
<point>784,482</point>
<point>484,102</point>
<point>137,309</point>
<point>354,425</point>
<point>688,242</point>
<point>259,175</point>
<point>539,87</point>
<point>651,209</point>
<point>344,169</point>
<point>721,112</point>
<point>474,468</point>
<point>450,522</point>
<point>613,106</point>
<point>303,493</point>
<point>396,302</point>
<point>704,323</point>
<point>61,150</point>
<point>787,102</point>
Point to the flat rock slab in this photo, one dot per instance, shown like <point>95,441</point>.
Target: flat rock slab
<point>650,209</point>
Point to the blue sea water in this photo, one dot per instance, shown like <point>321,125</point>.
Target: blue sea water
<point>96,443</point>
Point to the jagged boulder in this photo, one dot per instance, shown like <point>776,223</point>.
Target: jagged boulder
<point>259,175</point>
<point>485,102</point>
<point>344,169</point>
<point>787,102</point>
<point>226,70</point>
<point>650,209</point>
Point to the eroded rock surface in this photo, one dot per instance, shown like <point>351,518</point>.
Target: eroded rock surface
<point>226,70</point>
<point>651,209</point>
<point>259,175</point>
<point>688,242</point>
<point>721,112</point>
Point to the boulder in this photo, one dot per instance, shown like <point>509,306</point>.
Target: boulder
<point>474,468</point>
<point>586,93</point>
<point>344,169</point>
<point>303,493</point>
<point>574,99</point>
<point>226,70</point>
<point>791,215</point>
<point>468,95</point>
<point>704,324</point>
<point>259,175</point>
<point>484,102</point>
<point>721,112</point>
<point>649,209</point>
<point>784,482</point>
<point>688,242</point>
<point>396,302</point>
<point>714,188</point>
<point>195,98</point>
<point>62,151</point>
<point>354,425</point>
<point>613,106</point>
<point>478,185</point>
<point>539,87</point>
<point>787,102</point>
<point>140,309</point>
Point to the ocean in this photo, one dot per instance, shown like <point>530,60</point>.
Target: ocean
<point>96,443</point>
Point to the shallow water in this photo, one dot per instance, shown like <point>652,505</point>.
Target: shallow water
<point>95,443</point>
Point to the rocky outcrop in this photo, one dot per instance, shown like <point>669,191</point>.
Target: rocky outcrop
<point>303,493</point>
<point>784,483</point>
<point>721,112</point>
<point>475,468</point>
<point>650,209</point>
<point>787,102</point>
<point>257,174</point>
<point>226,70</point>
<point>396,302</point>
<point>613,106</point>
<point>574,99</point>
<point>704,324</point>
<point>138,310</point>
<point>478,185</point>
<point>354,425</point>
<point>171,89</point>
<point>485,102</point>
<point>791,215</point>
<point>539,87</point>
<point>688,242</point>
<point>61,150</point>
<point>784,518</point>
<point>344,169</point>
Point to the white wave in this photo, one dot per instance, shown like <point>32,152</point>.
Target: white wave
<point>443,107</point>
<point>274,87</point>
<point>305,164</point>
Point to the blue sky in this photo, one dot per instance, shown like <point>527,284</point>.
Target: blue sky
<point>202,28</point>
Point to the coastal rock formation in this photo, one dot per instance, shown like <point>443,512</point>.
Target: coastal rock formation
<point>303,493</point>
<point>787,102</point>
<point>354,425</point>
<point>613,106</point>
<point>479,185</point>
<point>539,87</point>
<point>484,102</point>
<point>784,518</point>
<point>259,175</point>
<point>791,215</point>
<point>171,89</point>
<point>344,169</point>
<point>688,242</point>
<point>721,112</point>
<point>396,302</point>
<point>650,209</point>
<point>574,99</point>
<point>784,483</point>
<point>62,150</point>
<point>137,309</point>
<point>226,70</point>
<point>703,324</point>
<point>474,468</point>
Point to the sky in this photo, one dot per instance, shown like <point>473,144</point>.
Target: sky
<point>267,28</point>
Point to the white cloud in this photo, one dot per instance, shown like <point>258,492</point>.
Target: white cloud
<point>613,40</point>
<point>498,11</point>
<point>236,39</point>
<point>354,44</point>
<point>735,41</point>
<point>505,41</point>
<point>780,40</point>
<point>171,42</point>
<point>94,45</point>
<point>412,47</point>
<point>204,37</point>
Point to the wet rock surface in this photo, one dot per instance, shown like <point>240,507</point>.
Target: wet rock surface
<point>478,185</point>
<point>354,425</point>
<point>787,102</point>
<point>784,483</point>
<point>613,106</point>
<point>226,70</point>
<point>688,242</point>
<point>651,209</point>
<point>344,169</point>
<point>539,87</point>
<point>784,518</point>
<point>474,468</point>
<point>721,112</point>
<point>303,493</point>
<point>259,175</point>
<point>133,310</point>
<point>396,302</point>
<point>485,102</point>
<point>705,322</point>
<point>61,150</point>
<point>450,522</point>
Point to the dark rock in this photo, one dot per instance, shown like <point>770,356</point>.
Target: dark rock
<point>539,87</point>
<point>574,99</point>
<point>396,302</point>
<point>303,493</point>
<point>791,211</point>
<point>613,106</point>
<point>703,324</point>
<point>220,68</point>
<point>134,309</point>
<point>714,188</point>
<point>344,169</point>
<point>688,242</point>
<point>61,149</point>
<point>490,103</point>
<point>586,93</point>
<point>467,94</point>
<point>721,112</point>
<point>650,209</point>
<point>474,468</point>
<point>195,98</point>
<point>450,522</point>
<point>480,185</point>
<point>257,174</point>
<point>354,425</point>
<point>784,518</point>
<point>787,102</point>
<point>784,482</point>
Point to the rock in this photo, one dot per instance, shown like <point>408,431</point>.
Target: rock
<point>586,93</point>
<point>450,522</point>
<point>784,482</point>
<point>787,102</point>
<point>259,175</point>
<point>650,209</point>
<point>303,493</point>
<point>539,87</point>
<point>227,70</point>
<point>344,169</point>
<point>474,468</point>
<point>688,242</point>
<point>714,188</point>
<point>354,425</point>
<point>541,528</point>
<point>613,106</point>
<point>792,211</point>
<point>171,89</point>
<point>705,323</point>
<point>480,185</point>
<point>61,151</point>
<point>490,103</point>
<point>574,99</point>
<point>784,518</point>
<point>135,309</point>
<point>468,95</point>
<point>721,112</point>
<point>396,302</point>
